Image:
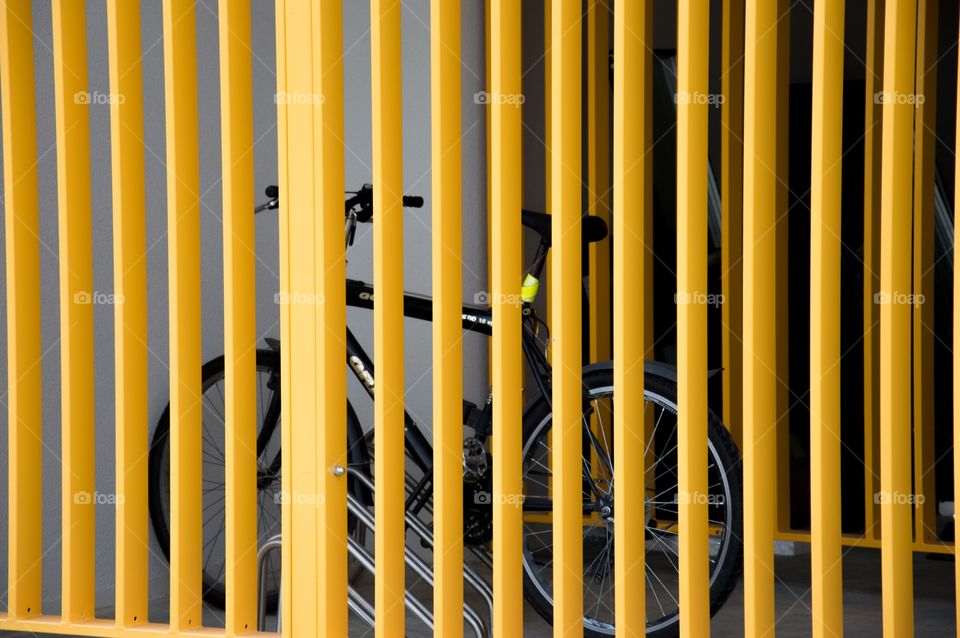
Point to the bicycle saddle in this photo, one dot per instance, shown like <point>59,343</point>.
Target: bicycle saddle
<point>594,228</point>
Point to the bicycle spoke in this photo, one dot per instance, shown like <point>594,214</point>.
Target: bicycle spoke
<point>653,590</point>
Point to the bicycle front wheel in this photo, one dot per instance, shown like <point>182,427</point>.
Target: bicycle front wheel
<point>659,502</point>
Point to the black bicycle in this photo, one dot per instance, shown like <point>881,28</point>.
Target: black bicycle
<point>660,500</point>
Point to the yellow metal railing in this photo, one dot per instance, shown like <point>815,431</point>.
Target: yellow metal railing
<point>898,256</point>
<point>565,200</point>
<point>633,194</point>
<point>388,319</point>
<point>446,164</point>
<point>826,559</point>
<point>895,333</point>
<point>76,320</point>
<point>506,275</point>
<point>693,19</point>
<point>23,311</point>
<point>759,319</point>
<point>239,258</point>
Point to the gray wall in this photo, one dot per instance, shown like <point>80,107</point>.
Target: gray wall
<point>417,177</point>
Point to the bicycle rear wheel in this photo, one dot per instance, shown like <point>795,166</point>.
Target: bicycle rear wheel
<point>269,498</point>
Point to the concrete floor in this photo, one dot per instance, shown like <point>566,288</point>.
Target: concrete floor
<point>934,610</point>
<point>933,601</point>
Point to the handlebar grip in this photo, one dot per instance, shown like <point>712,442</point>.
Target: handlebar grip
<point>412,201</point>
<point>272,191</point>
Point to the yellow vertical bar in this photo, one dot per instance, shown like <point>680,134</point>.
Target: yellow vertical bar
<point>240,337</point>
<point>871,263</point>
<point>24,382</point>
<point>130,317</point>
<point>632,205</point>
<point>388,315</point>
<point>329,276</point>
<point>759,315</point>
<point>731,203</point>
<point>598,173</point>
<point>447,258</point>
<point>924,219</point>
<point>566,179</point>
<point>310,92</point>
<point>896,510</point>
<point>295,59</point>
<point>183,237</point>
<point>825,201</point>
<point>507,365</point>
<point>287,149</point>
<point>693,22</point>
<point>76,313</point>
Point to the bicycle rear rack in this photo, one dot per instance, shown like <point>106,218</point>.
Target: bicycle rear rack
<point>357,602</point>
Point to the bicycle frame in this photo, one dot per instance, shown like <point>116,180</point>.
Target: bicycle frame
<point>360,294</point>
<point>475,319</point>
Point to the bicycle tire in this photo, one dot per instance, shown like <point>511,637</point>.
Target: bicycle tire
<point>725,577</point>
<point>214,593</point>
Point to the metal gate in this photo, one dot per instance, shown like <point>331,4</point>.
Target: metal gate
<point>755,60</point>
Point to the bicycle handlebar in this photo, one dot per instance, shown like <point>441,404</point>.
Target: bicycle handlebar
<point>361,200</point>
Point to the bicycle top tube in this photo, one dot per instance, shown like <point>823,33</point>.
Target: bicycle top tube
<point>360,294</point>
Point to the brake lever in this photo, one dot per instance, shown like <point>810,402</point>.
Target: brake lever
<point>268,205</point>
<point>351,228</point>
